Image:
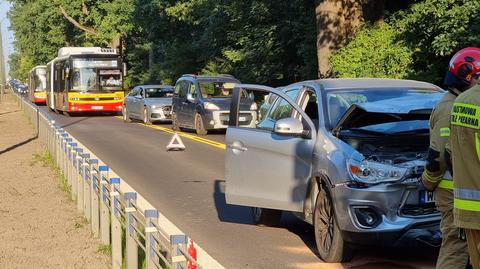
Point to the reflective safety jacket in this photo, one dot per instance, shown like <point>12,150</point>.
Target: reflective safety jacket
<point>465,150</point>
<point>435,170</point>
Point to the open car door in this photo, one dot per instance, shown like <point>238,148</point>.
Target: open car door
<point>269,163</point>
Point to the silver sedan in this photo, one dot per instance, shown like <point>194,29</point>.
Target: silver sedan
<point>148,103</point>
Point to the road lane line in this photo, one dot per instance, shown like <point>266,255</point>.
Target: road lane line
<point>196,138</point>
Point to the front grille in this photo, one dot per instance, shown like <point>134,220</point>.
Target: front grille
<point>158,116</point>
<point>419,210</point>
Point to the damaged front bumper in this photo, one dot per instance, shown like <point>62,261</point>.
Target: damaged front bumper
<point>387,214</point>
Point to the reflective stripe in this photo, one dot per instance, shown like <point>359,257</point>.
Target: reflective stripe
<point>428,177</point>
<point>445,132</point>
<point>467,194</point>
<point>466,205</point>
<point>477,145</point>
<point>466,115</point>
<point>446,184</point>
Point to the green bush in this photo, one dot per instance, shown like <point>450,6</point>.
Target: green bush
<point>414,43</point>
<point>374,52</point>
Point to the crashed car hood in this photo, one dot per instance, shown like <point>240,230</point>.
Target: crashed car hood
<point>391,110</point>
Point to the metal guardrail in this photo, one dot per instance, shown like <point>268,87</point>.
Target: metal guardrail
<point>110,210</point>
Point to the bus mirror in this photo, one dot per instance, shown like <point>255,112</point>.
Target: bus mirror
<point>124,69</point>
<point>67,72</point>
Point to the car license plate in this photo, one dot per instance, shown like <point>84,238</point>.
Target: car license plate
<point>242,118</point>
<point>427,197</point>
<point>97,107</point>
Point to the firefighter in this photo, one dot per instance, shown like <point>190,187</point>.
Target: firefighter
<point>465,152</point>
<point>436,177</point>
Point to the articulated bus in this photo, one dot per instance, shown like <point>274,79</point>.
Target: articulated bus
<point>37,85</point>
<point>85,79</point>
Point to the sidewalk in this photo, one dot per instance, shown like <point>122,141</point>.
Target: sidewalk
<point>39,225</point>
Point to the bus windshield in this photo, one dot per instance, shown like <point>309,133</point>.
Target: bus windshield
<point>40,83</point>
<point>89,75</point>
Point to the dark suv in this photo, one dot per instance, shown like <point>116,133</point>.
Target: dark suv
<point>203,103</point>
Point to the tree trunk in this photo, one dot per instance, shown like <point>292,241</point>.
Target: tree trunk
<point>337,22</point>
<point>151,58</point>
<point>115,42</point>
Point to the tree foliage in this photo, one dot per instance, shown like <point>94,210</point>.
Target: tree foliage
<point>260,41</point>
<point>421,40</point>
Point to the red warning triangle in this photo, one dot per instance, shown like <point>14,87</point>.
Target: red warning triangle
<point>175,143</point>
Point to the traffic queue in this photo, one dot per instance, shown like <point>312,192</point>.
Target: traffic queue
<point>345,155</point>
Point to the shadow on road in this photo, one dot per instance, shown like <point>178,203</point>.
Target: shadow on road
<point>8,112</point>
<point>226,212</point>
<point>73,122</point>
<point>18,145</point>
<point>365,257</point>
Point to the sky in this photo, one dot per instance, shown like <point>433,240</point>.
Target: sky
<point>6,33</point>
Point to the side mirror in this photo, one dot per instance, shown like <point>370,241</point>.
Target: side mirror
<point>289,127</point>
<point>67,72</point>
<point>190,97</point>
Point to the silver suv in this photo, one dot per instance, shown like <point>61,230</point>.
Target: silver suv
<point>344,155</point>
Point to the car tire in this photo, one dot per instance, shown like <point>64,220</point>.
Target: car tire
<point>199,127</point>
<point>126,117</point>
<point>266,217</point>
<point>330,245</point>
<point>175,125</point>
<point>146,118</point>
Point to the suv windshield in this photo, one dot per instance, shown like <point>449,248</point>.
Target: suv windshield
<point>215,90</point>
<point>158,92</point>
<point>338,102</point>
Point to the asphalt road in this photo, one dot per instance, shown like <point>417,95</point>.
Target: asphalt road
<point>188,188</point>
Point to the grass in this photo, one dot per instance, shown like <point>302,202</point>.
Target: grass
<point>46,160</point>
<point>105,249</point>
<point>80,222</point>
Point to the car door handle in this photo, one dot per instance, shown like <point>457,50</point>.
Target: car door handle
<point>237,147</point>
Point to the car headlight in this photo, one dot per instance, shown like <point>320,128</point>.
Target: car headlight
<point>253,106</point>
<point>371,172</point>
<point>210,106</point>
<point>153,106</point>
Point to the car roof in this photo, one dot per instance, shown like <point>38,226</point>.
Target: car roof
<point>353,83</point>
<point>212,78</point>
<point>155,86</point>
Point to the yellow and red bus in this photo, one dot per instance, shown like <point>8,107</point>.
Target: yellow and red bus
<point>37,85</point>
<point>85,79</point>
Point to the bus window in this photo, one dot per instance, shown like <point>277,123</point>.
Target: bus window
<point>110,80</point>
<point>84,79</point>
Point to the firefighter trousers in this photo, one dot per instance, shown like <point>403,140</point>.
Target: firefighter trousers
<point>473,240</point>
<point>453,252</point>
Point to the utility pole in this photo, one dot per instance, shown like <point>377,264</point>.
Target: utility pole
<point>2,67</point>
